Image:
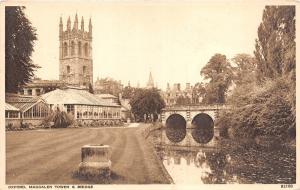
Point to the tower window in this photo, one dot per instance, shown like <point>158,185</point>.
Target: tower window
<point>68,69</point>
<point>65,53</point>
<point>72,48</point>
<point>84,70</point>
<point>86,53</point>
<point>79,48</point>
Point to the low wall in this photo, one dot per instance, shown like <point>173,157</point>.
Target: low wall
<point>16,122</point>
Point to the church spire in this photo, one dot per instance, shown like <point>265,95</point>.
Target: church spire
<point>150,83</point>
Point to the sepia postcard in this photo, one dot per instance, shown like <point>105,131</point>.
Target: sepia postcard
<point>148,94</point>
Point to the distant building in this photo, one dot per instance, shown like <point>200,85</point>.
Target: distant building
<point>38,87</point>
<point>178,96</point>
<point>125,108</point>
<point>108,86</point>
<point>109,98</point>
<point>75,53</point>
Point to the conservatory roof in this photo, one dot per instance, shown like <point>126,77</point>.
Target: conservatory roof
<point>23,103</point>
<point>9,107</point>
<point>76,97</point>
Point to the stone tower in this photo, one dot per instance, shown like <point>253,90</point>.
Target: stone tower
<point>75,53</point>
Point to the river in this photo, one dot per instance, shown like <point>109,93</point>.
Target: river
<point>223,163</point>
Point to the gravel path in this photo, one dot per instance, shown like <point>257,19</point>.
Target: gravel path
<point>51,156</point>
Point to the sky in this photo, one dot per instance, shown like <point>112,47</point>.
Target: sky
<point>130,39</point>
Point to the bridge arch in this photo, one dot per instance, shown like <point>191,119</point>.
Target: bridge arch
<point>203,128</point>
<point>176,127</point>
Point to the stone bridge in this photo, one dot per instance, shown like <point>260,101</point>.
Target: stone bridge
<point>190,125</point>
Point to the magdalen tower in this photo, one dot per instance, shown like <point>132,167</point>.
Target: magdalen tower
<point>75,53</point>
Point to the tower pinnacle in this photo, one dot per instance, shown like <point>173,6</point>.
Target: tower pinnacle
<point>60,27</point>
<point>90,27</point>
<point>69,24</point>
<point>75,27</point>
<point>82,24</point>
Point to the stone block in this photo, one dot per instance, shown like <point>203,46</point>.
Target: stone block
<point>95,161</point>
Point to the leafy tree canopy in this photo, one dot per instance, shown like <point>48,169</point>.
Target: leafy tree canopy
<point>219,73</point>
<point>19,41</point>
<point>146,101</point>
<point>275,46</point>
<point>244,69</point>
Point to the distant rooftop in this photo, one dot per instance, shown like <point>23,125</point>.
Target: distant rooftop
<point>43,83</point>
<point>106,96</point>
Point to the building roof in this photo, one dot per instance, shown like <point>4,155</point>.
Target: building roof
<point>9,107</point>
<point>106,96</point>
<point>45,83</point>
<point>76,97</point>
<point>23,103</point>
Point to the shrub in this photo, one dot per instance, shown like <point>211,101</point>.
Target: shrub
<point>60,119</point>
<point>9,127</point>
<point>24,126</point>
<point>264,111</point>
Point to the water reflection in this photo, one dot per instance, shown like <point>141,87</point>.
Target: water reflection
<point>207,166</point>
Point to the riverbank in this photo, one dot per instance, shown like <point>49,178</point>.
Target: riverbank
<point>52,156</point>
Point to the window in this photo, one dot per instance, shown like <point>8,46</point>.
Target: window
<point>38,92</point>
<point>22,91</point>
<point>65,46</point>
<point>68,69</point>
<point>40,110</point>
<point>72,48</point>
<point>86,52</point>
<point>79,48</point>
<point>70,109</point>
<point>13,114</point>
<point>29,92</point>
<point>84,70</point>
<point>6,114</point>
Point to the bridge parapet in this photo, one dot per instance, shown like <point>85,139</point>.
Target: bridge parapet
<point>189,112</point>
<point>196,107</point>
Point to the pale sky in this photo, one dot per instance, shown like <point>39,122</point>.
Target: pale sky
<point>173,40</point>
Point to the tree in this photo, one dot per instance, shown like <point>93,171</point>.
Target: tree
<point>219,73</point>
<point>128,92</point>
<point>146,102</point>
<point>275,46</point>
<point>244,70</point>
<point>268,109</point>
<point>19,41</point>
<point>198,92</point>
